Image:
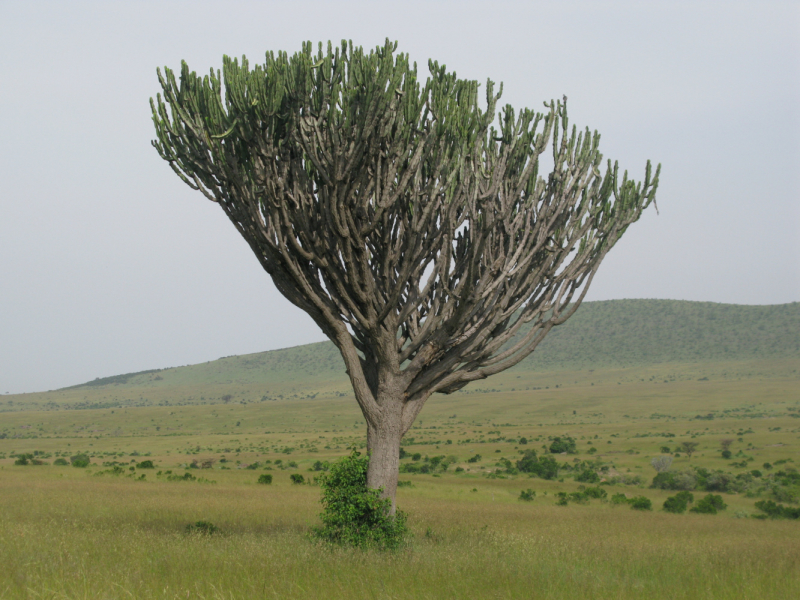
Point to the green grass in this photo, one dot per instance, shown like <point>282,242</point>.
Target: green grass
<point>69,532</point>
<point>85,533</point>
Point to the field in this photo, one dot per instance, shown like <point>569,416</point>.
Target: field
<point>117,529</point>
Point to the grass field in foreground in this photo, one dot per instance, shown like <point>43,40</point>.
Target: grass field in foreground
<point>70,532</point>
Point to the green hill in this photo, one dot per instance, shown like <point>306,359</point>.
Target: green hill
<point>609,334</point>
<point>614,341</point>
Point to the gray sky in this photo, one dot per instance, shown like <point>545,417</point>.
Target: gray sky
<point>109,264</point>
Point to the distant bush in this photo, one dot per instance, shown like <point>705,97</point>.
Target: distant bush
<point>185,477</point>
<point>527,495</point>
<point>777,511</point>
<point>145,464</point>
<point>475,459</point>
<point>587,476</point>
<point>595,492</point>
<point>709,505</point>
<point>60,462</point>
<point>202,528</point>
<point>563,444</point>
<point>406,483</point>
<point>544,467</point>
<point>353,514</point>
<point>619,499</point>
<point>523,441</point>
<point>726,454</point>
<point>23,459</point>
<point>672,480</point>
<point>678,503</point>
<point>719,482</point>
<point>661,463</point>
<point>265,478</point>
<point>321,465</point>
<point>641,503</point>
<point>297,478</point>
<point>80,460</point>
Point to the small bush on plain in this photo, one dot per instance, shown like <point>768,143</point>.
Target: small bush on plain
<point>709,505</point>
<point>80,461</point>
<point>563,444</point>
<point>641,503</point>
<point>202,527</point>
<point>265,479</point>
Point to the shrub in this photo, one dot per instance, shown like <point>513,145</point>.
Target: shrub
<point>297,478</point>
<point>671,480</point>
<point>145,464</point>
<point>527,495</point>
<point>60,462</point>
<point>726,454</point>
<point>619,499</point>
<point>719,482</point>
<point>265,478</point>
<point>202,528</point>
<point>579,497</point>
<point>523,441</point>
<point>80,460</point>
<point>587,476</point>
<point>563,444</point>
<point>709,505</point>
<point>321,465</point>
<point>475,459</point>
<point>595,492</point>
<point>641,503</point>
<point>661,463</point>
<point>678,503</point>
<point>185,477</point>
<point>353,514</point>
<point>544,467</point>
<point>23,459</point>
<point>777,511</point>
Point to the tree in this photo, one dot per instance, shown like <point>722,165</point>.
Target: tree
<point>413,228</point>
<point>661,463</point>
<point>688,448</point>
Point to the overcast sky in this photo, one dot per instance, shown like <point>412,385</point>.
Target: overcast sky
<point>110,264</point>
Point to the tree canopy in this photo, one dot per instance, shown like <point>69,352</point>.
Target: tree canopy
<point>408,220</point>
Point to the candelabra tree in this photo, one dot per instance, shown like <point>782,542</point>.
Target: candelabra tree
<point>411,223</point>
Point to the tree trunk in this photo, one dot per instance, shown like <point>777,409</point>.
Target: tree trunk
<point>383,445</point>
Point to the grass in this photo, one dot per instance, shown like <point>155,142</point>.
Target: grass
<point>75,538</point>
<point>70,532</point>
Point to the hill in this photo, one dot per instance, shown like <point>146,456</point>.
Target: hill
<point>607,336</point>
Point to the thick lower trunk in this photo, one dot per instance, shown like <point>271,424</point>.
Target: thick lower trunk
<point>383,445</point>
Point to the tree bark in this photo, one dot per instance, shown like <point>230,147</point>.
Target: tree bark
<point>383,445</point>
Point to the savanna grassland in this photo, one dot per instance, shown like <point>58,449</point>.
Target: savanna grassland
<point>626,381</point>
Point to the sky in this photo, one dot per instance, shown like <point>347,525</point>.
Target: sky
<point>109,264</point>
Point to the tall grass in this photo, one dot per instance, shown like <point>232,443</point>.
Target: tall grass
<point>93,538</point>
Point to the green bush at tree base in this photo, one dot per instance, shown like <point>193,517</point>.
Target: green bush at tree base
<point>353,514</point>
